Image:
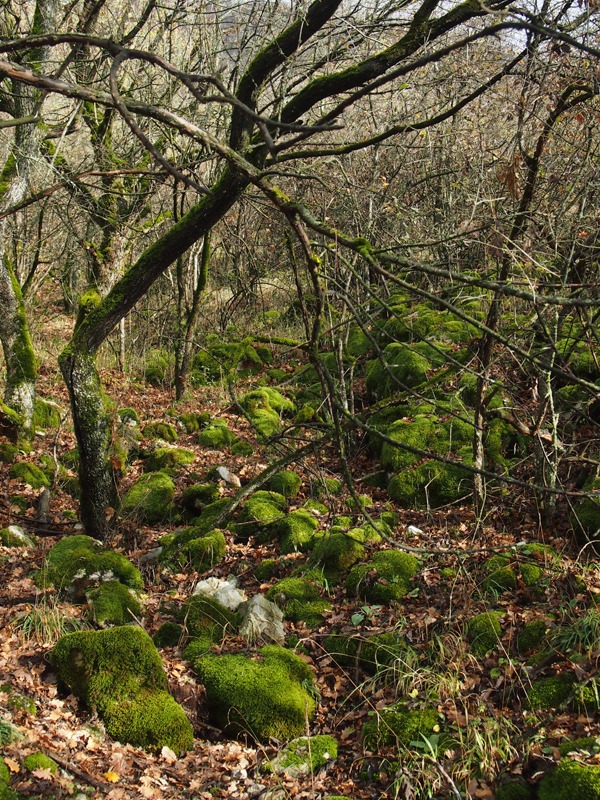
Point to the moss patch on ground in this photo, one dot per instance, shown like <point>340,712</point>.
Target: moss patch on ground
<point>398,725</point>
<point>570,780</point>
<point>484,631</point>
<point>385,579</point>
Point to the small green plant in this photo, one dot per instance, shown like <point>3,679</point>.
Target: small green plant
<point>366,612</point>
<point>45,623</point>
<point>581,635</point>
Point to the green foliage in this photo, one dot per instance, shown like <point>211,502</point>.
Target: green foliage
<point>30,474</point>
<point>8,733</point>
<point>40,761</point>
<point>300,600</point>
<point>112,603</point>
<point>158,370</point>
<point>298,531</point>
<point>385,579</point>
<point>160,430</point>
<point>150,499</point>
<point>552,692</point>
<point>118,673</point>
<point>585,517</point>
<point>264,699</point>
<point>581,635</point>
<point>370,653</point>
<point>334,553</point>
<point>76,563</point>
<point>483,631</point>
<point>168,459</point>
<point>570,780</point>
<point>286,482</point>
<point>400,726</point>
<point>587,744</point>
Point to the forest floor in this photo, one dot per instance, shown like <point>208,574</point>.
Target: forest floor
<point>487,694</point>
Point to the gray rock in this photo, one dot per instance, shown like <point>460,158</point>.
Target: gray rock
<point>228,477</point>
<point>225,592</point>
<point>261,620</point>
<point>151,557</point>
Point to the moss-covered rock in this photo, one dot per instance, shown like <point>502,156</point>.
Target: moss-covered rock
<point>265,407</point>
<point>14,536</point>
<point>206,621</point>
<point>385,579</point>
<point>78,563</point>
<point>260,515</point>
<point>300,600</point>
<point>398,369</point>
<point>219,360</point>
<point>241,448</point>
<point>514,791</point>
<point>169,459</point>
<point>267,698</point>
<point>46,414</point>
<point>585,517</point>
<point>168,635</point>
<point>189,422</point>
<point>118,673</point>
<point>552,692</point>
<point>286,482</point>
<point>334,553</point>
<point>30,474</point>
<point>499,575</point>
<point>40,761</point>
<point>160,430</point>
<point>198,496</point>
<point>158,370</point>
<point>329,486</point>
<point>216,436</point>
<point>399,725</point>
<point>531,636</point>
<point>128,414</point>
<point>587,744</point>
<point>369,653</point>
<point>150,499</point>
<point>112,603</point>
<point>8,452</point>
<point>303,756</point>
<point>570,780</point>
<point>298,531</point>
<point>484,631</point>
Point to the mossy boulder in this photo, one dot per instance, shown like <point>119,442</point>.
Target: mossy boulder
<point>304,756</point>
<point>150,499</point>
<point>241,448</point>
<point>198,496</point>
<point>286,482</point>
<point>78,563</point>
<point>206,621</point>
<point>531,636</point>
<point>189,422</point>
<point>514,791</point>
<point>484,631</point>
<point>370,653</point>
<point>158,370</point>
<point>219,359</point>
<point>118,673</point>
<point>267,696</point>
<point>128,415</point>
<point>8,452</point>
<point>552,692</point>
<point>168,459</point>
<point>298,531</point>
<point>217,436</point>
<point>265,407</point>
<point>168,635</point>
<point>570,780</point>
<point>260,515</point>
<point>399,368</point>
<point>15,536</point>
<point>431,484</point>
<point>30,474</point>
<point>46,414</point>
<point>112,603</point>
<point>300,600</point>
<point>385,579</point>
<point>399,725</point>
<point>329,486</point>
<point>334,553</point>
<point>194,548</point>
<point>40,761</point>
<point>499,574</point>
<point>586,744</point>
<point>160,430</point>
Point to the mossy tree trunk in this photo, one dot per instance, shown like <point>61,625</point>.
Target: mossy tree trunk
<point>19,357</point>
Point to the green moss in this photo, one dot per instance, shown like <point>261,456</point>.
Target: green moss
<point>168,459</point>
<point>225,359</point>
<point>266,398</point>
<point>216,437</point>
<point>570,780</point>
<point>263,699</point>
<point>128,415</point>
<point>300,600</point>
<point>484,631</point>
<point>287,482</point>
<point>334,553</point>
<point>547,693</point>
<point>150,499</point>
<point>30,474</point>
<point>77,563</point>
<point>206,619</point>
<point>160,430</point>
<point>242,448</point>
<point>112,603</point>
<point>16,701</point>
<point>385,579</point>
<point>316,505</point>
<point>399,726</point>
<point>587,744</point>
<point>4,773</point>
<point>118,673</point>
<point>266,570</point>
<point>298,531</point>
<point>514,791</point>
<point>532,635</point>
<point>430,485</point>
<point>532,575</point>
<point>585,517</point>
<point>168,635</point>
<point>13,536</point>
<point>8,452</point>
<point>369,653</point>
<point>304,755</point>
<point>45,414</point>
<point>198,496</point>
<point>40,761</point>
<point>398,368</point>
<point>189,422</point>
<point>499,575</point>
<point>329,486</point>
<point>260,514</point>
<point>158,370</point>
